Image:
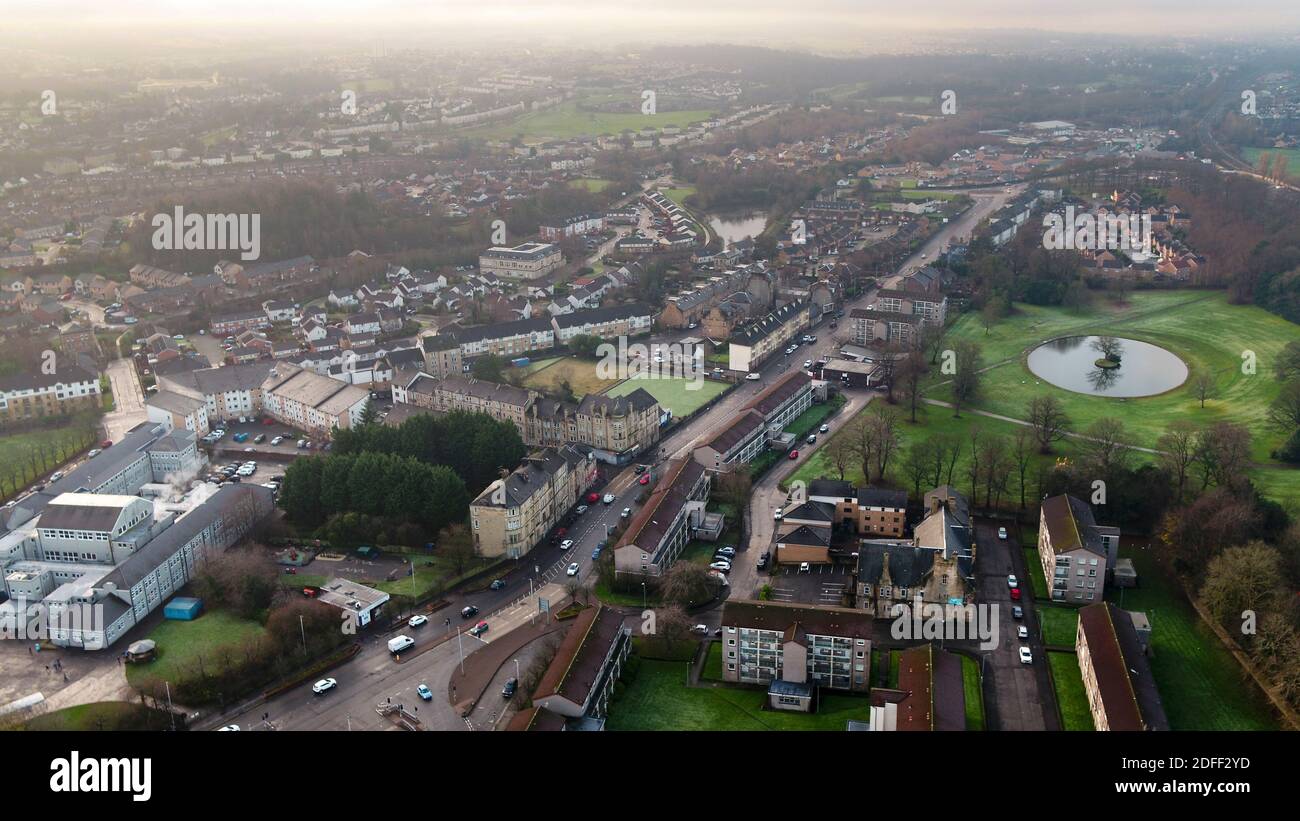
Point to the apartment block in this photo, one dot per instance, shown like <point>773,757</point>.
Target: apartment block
<point>1075,552</point>
<point>513,515</point>
<point>1122,693</point>
<point>529,260</point>
<point>34,394</point>
<point>660,530</point>
<point>310,402</point>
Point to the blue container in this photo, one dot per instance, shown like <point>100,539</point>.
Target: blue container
<point>183,608</point>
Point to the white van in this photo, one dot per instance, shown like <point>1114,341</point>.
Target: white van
<point>399,644</point>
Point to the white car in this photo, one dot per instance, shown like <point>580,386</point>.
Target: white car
<point>581,509</point>
<point>1002,533</point>
<point>627,512</point>
<point>721,567</point>
<point>1022,632</point>
<point>754,376</point>
<point>93,453</point>
<point>277,440</point>
<point>573,569</point>
<point>566,544</point>
<point>1011,582</point>
<point>229,728</point>
<point>702,629</point>
<point>608,498</point>
<point>807,364</point>
<point>776,515</point>
<point>417,621</point>
<point>324,685</point>
<point>1026,657</point>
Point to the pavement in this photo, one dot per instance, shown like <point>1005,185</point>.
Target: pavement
<point>128,396</point>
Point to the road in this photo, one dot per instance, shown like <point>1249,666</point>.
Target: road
<point>128,399</point>
<point>987,201</point>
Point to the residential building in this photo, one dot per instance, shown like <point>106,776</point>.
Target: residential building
<point>229,392</point>
<point>1122,692</point>
<point>311,402</point>
<point>753,344</point>
<point>31,393</point>
<point>660,530</point>
<point>514,514</point>
<point>794,648</point>
<point>177,410</point>
<point>1075,552</point>
<point>758,423</point>
<point>528,260</point>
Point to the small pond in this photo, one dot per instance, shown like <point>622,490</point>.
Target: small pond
<point>1071,363</point>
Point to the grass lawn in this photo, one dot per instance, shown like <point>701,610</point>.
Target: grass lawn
<point>895,658</point>
<point>1201,684</point>
<point>1251,155</point>
<point>1070,695</point>
<point>970,678</point>
<point>427,577</point>
<point>1036,577</point>
<point>713,664</point>
<point>565,120</point>
<point>681,396</point>
<point>102,715</point>
<point>548,374</point>
<point>658,699</point>
<point>594,186</point>
<point>679,195</point>
<point>1060,624</point>
<point>48,448</point>
<point>185,645</point>
<point>1200,327</point>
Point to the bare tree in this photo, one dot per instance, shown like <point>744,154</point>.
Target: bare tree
<point>1203,386</point>
<point>839,452</point>
<point>909,371</point>
<point>1177,448</point>
<point>1105,450</point>
<point>1021,457</point>
<point>917,462</point>
<point>966,381</point>
<point>1048,420</point>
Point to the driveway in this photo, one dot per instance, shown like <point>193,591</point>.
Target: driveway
<point>128,408</point>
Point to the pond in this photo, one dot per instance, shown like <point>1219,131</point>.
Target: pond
<point>733,227</point>
<point>1072,363</point>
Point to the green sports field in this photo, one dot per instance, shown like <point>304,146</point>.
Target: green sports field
<point>565,121</point>
<point>682,396</point>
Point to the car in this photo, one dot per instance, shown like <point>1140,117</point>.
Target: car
<point>417,621</point>
<point>324,685</point>
<point>592,498</point>
<point>107,443</point>
<point>479,629</point>
<point>807,364</point>
<point>812,439</point>
<point>56,476</point>
<point>702,629</point>
<point>753,376</point>
<point>824,429</point>
<point>726,551</point>
<point>566,544</point>
<point>573,569</point>
<point>764,560</point>
<point>302,443</point>
<point>424,692</point>
<point>1002,533</point>
<point>1015,594</point>
<point>259,438</point>
<point>512,684</point>
<point>794,454</point>
<point>1017,613</point>
<point>721,567</point>
<point>595,553</point>
<point>639,470</point>
<point>804,567</point>
<point>777,515</point>
<point>229,728</point>
<point>1026,657</point>
<point>581,509</point>
<point>627,513</point>
<point>93,453</point>
<point>1022,632</point>
<point>1011,581</point>
<point>644,480</point>
<point>608,498</point>
<point>497,584</point>
<point>277,440</point>
<point>469,611</point>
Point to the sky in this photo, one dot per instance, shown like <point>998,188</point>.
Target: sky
<point>837,23</point>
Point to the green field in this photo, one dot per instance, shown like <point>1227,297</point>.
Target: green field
<point>1202,328</point>
<point>107,716</point>
<point>1060,624</point>
<point>29,455</point>
<point>713,664</point>
<point>679,195</point>
<point>1201,684</point>
<point>682,396</point>
<point>1036,578</point>
<point>970,677</point>
<point>185,647</point>
<point>1071,698</point>
<point>548,374</point>
<point>1251,155</point>
<point>565,121</point>
<point>594,186</point>
<point>658,699</point>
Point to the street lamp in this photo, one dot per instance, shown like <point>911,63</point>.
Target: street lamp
<point>643,604</point>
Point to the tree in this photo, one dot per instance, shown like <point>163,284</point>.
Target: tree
<point>1021,457</point>
<point>1191,535</point>
<point>369,414</point>
<point>1223,454</point>
<point>1247,577</point>
<point>489,367</point>
<point>973,463</point>
<point>1287,366</point>
<point>1105,450</point>
<point>883,421</point>
<point>917,462</point>
<point>908,373</point>
<point>966,381</point>
<point>1177,447</point>
<point>585,345</point>
<point>839,452</point>
<point>686,584</point>
<point>734,489</point>
<point>1110,348</point>
<point>1048,421</point>
<point>672,624</point>
<point>1203,386</point>
<point>1284,411</point>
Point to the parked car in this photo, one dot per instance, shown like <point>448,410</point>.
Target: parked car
<point>812,439</point>
<point>702,629</point>
<point>776,515</point>
<point>417,621</point>
<point>229,728</point>
<point>573,569</point>
<point>608,498</point>
<point>277,440</point>
<point>639,470</point>
<point>1017,613</point>
<point>512,684</point>
<point>592,498</point>
<point>727,551</point>
<point>1015,594</point>
<point>581,509</point>
<point>1026,657</point>
<point>1002,533</point>
<point>324,685</point>
<point>627,513</point>
<point>479,629</point>
<point>753,376</point>
<point>566,544</point>
<point>794,454</point>
<point>93,453</point>
<point>644,480</point>
<point>764,560</point>
<point>807,364</point>
<point>1022,632</point>
<point>497,584</point>
<point>824,429</point>
<point>424,692</point>
<point>721,567</point>
<point>804,567</point>
<point>469,611</point>
<point>1011,581</point>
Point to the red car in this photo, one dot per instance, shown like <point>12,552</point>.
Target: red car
<point>645,479</point>
<point>794,454</point>
<point>593,498</point>
<point>1015,594</point>
<point>107,443</point>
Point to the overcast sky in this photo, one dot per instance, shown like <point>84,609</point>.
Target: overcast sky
<point>732,20</point>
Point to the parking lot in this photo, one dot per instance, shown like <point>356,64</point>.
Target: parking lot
<point>822,584</point>
<point>286,450</point>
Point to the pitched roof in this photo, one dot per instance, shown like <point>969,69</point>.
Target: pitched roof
<point>1125,685</point>
<point>807,619</point>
